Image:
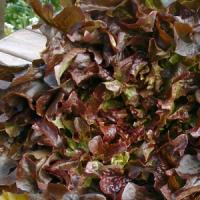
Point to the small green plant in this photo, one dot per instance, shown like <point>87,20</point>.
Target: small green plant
<point>19,14</point>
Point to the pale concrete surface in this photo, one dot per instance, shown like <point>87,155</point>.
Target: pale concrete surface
<point>9,60</point>
<point>21,47</point>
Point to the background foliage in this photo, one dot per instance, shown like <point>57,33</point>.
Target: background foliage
<point>19,14</point>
